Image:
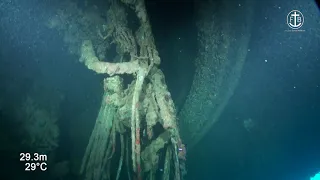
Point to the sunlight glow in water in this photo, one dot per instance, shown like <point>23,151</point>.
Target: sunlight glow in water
<point>316,177</point>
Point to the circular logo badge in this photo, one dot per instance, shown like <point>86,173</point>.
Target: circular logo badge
<point>295,19</point>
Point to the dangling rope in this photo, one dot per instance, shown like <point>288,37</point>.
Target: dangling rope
<point>121,157</point>
<point>135,123</point>
<point>127,158</point>
<point>97,146</point>
<point>167,165</point>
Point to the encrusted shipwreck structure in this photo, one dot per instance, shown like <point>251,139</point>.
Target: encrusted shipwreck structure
<point>129,112</point>
<point>139,117</point>
<point>223,40</point>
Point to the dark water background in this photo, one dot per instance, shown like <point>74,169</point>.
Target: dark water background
<point>279,89</point>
